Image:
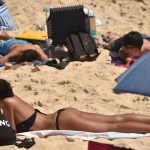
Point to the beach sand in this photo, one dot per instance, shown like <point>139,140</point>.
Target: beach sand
<point>83,85</point>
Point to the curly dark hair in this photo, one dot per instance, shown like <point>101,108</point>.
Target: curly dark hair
<point>5,89</point>
<point>134,39</point>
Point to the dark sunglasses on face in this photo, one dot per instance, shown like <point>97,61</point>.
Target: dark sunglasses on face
<point>130,47</point>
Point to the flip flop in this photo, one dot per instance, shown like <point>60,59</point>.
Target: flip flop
<point>59,65</point>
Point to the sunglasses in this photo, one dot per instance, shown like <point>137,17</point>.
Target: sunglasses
<point>129,47</point>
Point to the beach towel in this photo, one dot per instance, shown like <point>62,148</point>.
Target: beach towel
<point>82,135</point>
<point>35,37</point>
<point>6,21</point>
<point>32,35</point>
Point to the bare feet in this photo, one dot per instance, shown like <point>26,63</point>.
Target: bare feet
<point>5,35</point>
<point>8,66</point>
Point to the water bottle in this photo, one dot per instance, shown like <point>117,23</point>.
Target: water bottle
<point>92,20</point>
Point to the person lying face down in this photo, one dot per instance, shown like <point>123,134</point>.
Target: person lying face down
<point>130,46</point>
<point>25,118</point>
<point>21,50</point>
<point>131,49</point>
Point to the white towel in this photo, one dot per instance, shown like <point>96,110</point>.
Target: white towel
<point>82,135</point>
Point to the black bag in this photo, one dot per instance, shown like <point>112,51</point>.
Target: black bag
<point>81,47</point>
<point>7,134</point>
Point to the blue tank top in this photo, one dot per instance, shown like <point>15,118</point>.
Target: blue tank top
<point>5,45</point>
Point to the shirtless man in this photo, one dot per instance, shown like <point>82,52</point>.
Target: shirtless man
<point>130,46</point>
<point>19,49</point>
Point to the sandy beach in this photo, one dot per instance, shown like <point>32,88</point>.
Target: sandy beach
<point>87,86</point>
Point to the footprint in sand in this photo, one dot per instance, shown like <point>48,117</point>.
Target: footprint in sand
<point>16,80</point>
<point>142,1</point>
<point>42,81</point>
<point>114,1</point>
<point>39,104</point>
<point>34,81</point>
<point>36,92</point>
<point>124,107</point>
<point>143,8</point>
<point>17,75</point>
<point>28,87</point>
<point>46,90</point>
<point>145,98</point>
<point>108,100</point>
<point>72,90</point>
<point>75,98</point>
<point>64,82</point>
<point>85,90</point>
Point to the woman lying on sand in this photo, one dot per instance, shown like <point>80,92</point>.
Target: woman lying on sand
<point>23,117</point>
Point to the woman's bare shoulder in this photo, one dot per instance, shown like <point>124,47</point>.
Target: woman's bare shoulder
<point>11,100</point>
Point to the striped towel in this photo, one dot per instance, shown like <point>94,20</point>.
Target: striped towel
<point>6,21</point>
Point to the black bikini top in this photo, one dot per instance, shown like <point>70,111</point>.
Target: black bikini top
<point>26,125</point>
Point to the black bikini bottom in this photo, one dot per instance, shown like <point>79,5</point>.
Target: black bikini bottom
<point>57,118</point>
<point>27,124</point>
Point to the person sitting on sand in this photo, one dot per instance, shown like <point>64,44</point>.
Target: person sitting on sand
<point>130,46</point>
<point>20,50</point>
<point>25,118</point>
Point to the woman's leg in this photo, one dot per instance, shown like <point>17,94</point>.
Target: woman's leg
<point>72,119</point>
<point>117,118</point>
<point>114,118</point>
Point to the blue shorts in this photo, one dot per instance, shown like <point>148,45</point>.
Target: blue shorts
<point>5,45</point>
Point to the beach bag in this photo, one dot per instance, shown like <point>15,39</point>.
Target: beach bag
<point>7,134</point>
<point>92,145</point>
<point>81,47</point>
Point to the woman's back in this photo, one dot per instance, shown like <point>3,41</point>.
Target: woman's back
<point>21,111</point>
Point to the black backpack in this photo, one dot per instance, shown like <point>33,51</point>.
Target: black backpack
<point>81,47</point>
<point>7,134</point>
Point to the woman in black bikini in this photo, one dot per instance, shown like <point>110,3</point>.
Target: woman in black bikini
<point>23,117</point>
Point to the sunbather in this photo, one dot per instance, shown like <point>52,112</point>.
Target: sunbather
<point>23,117</point>
<point>21,50</point>
<point>130,46</point>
